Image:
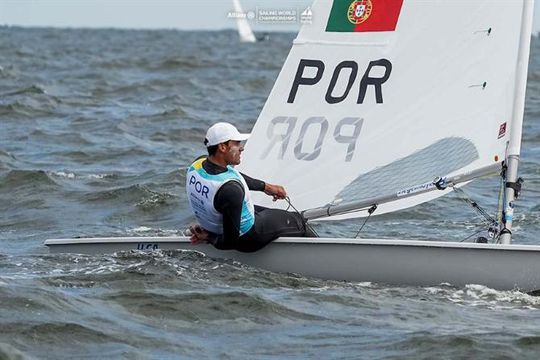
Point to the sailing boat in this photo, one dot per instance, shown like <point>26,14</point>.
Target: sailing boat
<point>244,30</point>
<point>376,99</point>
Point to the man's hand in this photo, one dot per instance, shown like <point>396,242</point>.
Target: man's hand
<point>198,235</point>
<point>277,191</point>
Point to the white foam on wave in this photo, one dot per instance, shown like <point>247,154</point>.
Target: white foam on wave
<point>483,296</point>
<point>71,175</point>
<point>146,230</point>
<point>141,229</point>
<point>97,176</point>
<point>64,174</point>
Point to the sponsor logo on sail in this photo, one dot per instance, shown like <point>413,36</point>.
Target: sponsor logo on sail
<point>415,189</point>
<point>359,11</point>
<point>502,130</point>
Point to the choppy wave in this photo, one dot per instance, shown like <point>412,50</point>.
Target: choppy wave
<point>64,138</point>
<point>128,193</point>
<point>28,108</point>
<point>482,296</point>
<point>187,62</point>
<point>71,175</point>
<point>113,298</point>
<point>95,138</point>
<point>7,160</point>
<point>32,89</point>
<point>29,178</point>
<point>148,231</point>
<point>8,351</point>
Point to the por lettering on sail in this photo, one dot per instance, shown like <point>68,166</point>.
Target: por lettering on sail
<point>339,74</point>
<point>364,15</point>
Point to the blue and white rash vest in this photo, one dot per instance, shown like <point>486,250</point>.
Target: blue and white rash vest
<point>202,188</point>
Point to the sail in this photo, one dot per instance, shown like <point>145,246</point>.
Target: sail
<point>380,97</point>
<point>244,30</point>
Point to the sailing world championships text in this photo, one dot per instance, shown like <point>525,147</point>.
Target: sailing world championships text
<point>289,15</point>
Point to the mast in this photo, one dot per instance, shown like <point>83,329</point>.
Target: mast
<point>514,145</point>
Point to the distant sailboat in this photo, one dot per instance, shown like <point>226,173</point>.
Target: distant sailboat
<point>375,101</point>
<point>244,30</point>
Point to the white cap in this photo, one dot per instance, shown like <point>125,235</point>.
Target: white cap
<point>222,132</point>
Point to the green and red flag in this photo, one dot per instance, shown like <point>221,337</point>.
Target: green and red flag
<point>363,15</point>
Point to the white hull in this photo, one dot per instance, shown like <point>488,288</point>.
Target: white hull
<point>397,262</point>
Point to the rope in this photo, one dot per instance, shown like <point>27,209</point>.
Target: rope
<point>470,236</point>
<point>489,220</point>
<point>371,210</point>
<point>299,213</point>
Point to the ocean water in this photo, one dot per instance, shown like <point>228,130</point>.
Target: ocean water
<point>95,127</point>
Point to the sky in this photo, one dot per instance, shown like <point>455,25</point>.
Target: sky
<point>152,14</point>
<point>141,14</point>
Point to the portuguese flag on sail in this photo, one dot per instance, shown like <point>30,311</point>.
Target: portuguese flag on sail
<point>363,15</point>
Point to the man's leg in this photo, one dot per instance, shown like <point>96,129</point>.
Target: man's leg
<point>269,225</point>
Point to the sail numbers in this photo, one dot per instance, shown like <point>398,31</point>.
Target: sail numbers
<point>313,134</point>
<point>340,71</point>
<point>308,147</point>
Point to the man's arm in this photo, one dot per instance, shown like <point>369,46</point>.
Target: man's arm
<point>277,191</point>
<point>253,184</point>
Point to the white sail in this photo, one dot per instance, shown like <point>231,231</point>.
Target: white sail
<point>244,30</point>
<point>424,88</point>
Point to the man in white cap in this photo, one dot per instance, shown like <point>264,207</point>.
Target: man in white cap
<point>219,196</point>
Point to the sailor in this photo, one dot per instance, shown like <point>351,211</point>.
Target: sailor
<point>219,196</point>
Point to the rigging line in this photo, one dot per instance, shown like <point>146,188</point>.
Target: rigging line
<point>489,219</point>
<point>493,229</point>
<point>371,210</point>
<point>307,225</point>
<point>288,206</point>
<point>470,236</point>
